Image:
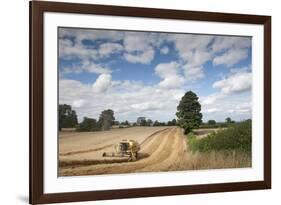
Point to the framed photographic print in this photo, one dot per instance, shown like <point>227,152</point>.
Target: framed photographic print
<point>139,102</point>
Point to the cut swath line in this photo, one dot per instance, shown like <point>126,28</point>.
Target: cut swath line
<point>85,151</point>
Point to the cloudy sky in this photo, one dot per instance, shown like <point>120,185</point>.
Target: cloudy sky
<point>147,73</point>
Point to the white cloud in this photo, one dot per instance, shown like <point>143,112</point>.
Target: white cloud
<point>70,50</point>
<point>222,43</point>
<point>90,34</point>
<point>231,57</point>
<point>165,70</point>
<point>70,90</point>
<point>136,42</point>
<point>140,46</point>
<point>164,50</point>
<point>193,51</point>
<point>212,110</point>
<point>232,100</point>
<point>238,82</point>
<point>73,47</point>
<point>169,72</point>
<point>144,56</point>
<point>128,99</point>
<point>133,98</point>
<point>86,66</point>
<point>77,50</point>
<point>193,73</point>
<point>192,48</point>
<point>219,106</point>
<point>106,49</point>
<point>243,69</point>
<point>94,68</point>
<point>147,106</point>
<point>199,58</point>
<point>171,82</point>
<point>78,103</point>
<point>211,99</point>
<point>242,108</point>
<point>102,83</point>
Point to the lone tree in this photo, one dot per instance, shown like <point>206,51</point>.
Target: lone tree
<point>67,117</point>
<point>189,112</point>
<point>106,119</point>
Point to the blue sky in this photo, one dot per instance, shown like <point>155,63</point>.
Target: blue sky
<point>147,73</point>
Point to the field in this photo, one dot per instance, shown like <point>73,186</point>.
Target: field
<point>162,149</point>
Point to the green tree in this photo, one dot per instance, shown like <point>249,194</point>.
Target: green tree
<point>143,122</point>
<point>116,123</point>
<point>156,123</point>
<point>149,122</point>
<point>212,122</point>
<point>125,123</point>
<point>189,112</point>
<point>88,124</point>
<point>170,123</point>
<point>106,119</point>
<point>67,117</point>
<point>228,120</point>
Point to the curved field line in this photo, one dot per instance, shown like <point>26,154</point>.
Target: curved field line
<point>152,135</point>
<point>77,163</point>
<point>90,150</point>
<point>85,151</point>
<point>64,163</point>
<point>177,157</point>
<point>168,157</point>
<point>157,155</point>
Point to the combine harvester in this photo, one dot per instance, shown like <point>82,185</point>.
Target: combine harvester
<point>125,148</point>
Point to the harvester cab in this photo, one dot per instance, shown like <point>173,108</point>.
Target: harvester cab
<point>125,148</point>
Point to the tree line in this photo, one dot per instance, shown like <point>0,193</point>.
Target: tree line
<point>68,119</point>
<point>188,114</point>
<point>213,124</point>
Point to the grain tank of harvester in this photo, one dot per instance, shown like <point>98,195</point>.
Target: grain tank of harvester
<point>125,148</point>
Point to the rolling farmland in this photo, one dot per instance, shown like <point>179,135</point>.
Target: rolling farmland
<point>162,149</point>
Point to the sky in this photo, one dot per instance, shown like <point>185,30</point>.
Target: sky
<point>146,73</point>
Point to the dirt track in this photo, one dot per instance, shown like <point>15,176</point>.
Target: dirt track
<point>162,149</point>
